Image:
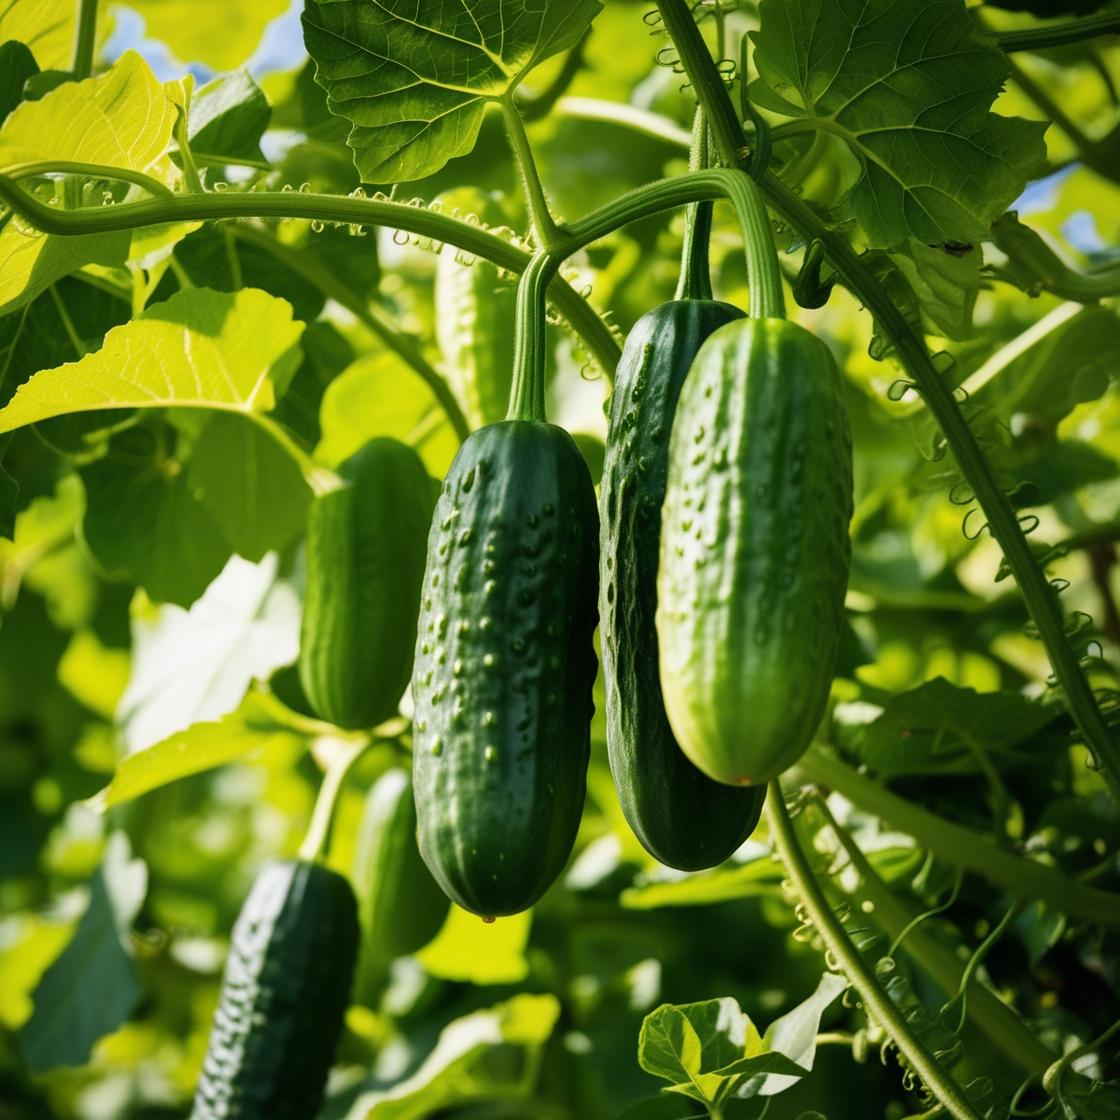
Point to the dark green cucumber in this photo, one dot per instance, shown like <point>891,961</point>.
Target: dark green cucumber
<point>754,549</point>
<point>505,666</point>
<point>682,817</point>
<point>365,564</point>
<point>400,906</point>
<point>284,994</point>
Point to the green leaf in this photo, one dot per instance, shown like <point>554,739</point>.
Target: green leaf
<point>669,1045</point>
<point>216,33</point>
<point>469,950</point>
<point>908,85</point>
<point>939,728</point>
<point>260,725</point>
<point>124,118</point>
<point>250,485</point>
<point>945,282</point>
<point>795,1033</point>
<point>199,349</point>
<point>46,26</point>
<point>228,118</point>
<point>488,1056</point>
<point>17,64</point>
<point>197,665</point>
<point>414,81</point>
<point>93,986</point>
<point>379,395</point>
<point>757,877</point>
<point>145,522</point>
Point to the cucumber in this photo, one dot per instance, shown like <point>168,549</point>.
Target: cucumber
<point>284,993</point>
<point>474,307</point>
<point>505,665</point>
<point>682,817</point>
<point>365,564</point>
<point>400,907</point>
<point>754,549</point>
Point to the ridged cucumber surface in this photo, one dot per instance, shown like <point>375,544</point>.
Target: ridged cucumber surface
<point>682,817</point>
<point>366,545</point>
<point>284,993</point>
<point>754,549</point>
<point>505,666</point>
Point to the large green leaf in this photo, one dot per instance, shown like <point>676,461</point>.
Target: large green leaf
<point>93,985</point>
<point>228,118</point>
<point>46,26</point>
<point>199,349</point>
<point>414,80</point>
<point>908,85</point>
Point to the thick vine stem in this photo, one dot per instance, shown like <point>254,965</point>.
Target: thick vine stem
<point>1000,1023</point>
<point>1029,254</point>
<point>526,400</point>
<point>547,233</point>
<point>271,205</point>
<point>879,1007</point>
<point>1020,877</point>
<point>1001,518</point>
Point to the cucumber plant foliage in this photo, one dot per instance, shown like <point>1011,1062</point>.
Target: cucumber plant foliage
<point>774,342</point>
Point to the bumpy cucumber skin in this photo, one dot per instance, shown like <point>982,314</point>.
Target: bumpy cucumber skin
<point>284,994</point>
<point>754,549</point>
<point>366,545</point>
<point>400,906</point>
<point>505,665</point>
<point>682,817</point>
<point>474,319</point>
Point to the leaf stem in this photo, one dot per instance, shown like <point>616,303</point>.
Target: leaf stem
<point>1058,34</point>
<point>318,831</point>
<point>1034,261</point>
<point>85,39</point>
<point>526,401</point>
<point>307,266</point>
<point>547,233</point>
<point>960,846</point>
<point>879,1007</point>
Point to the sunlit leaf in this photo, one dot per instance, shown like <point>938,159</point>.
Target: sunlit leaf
<point>214,32</point>
<point>469,949</point>
<point>414,82</point>
<point>908,85</point>
<point>198,349</point>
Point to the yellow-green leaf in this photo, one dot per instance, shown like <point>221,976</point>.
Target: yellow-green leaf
<point>199,349</point>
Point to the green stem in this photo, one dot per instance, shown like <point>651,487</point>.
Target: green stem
<point>313,271</point>
<point>1058,34</point>
<point>526,401</point>
<point>962,847</point>
<point>1002,1026</point>
<point>85,39</point>
<point>1034,263</point>
<point>320,479</point>
<point>319,830</point>
<point>182,138</point>
<point>878,1004</point>
<point>17,171</point>
<point>547,233</point>
<point>312,207</point>
<point>695,280</point>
